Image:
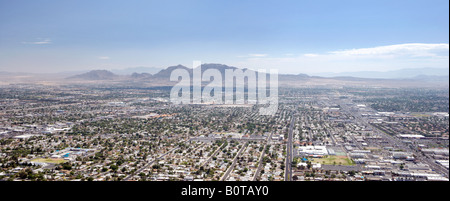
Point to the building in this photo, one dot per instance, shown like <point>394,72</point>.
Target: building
<point>411,136</point>
<point>314,151</point>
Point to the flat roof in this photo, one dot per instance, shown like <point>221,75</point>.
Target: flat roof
<point>411,136</point>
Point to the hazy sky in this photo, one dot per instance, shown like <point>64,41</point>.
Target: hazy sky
<point>293,36</point>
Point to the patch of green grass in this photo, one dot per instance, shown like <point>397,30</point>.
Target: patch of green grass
<point>334,160</point>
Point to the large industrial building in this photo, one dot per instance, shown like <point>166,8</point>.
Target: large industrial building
<point>314,151</point>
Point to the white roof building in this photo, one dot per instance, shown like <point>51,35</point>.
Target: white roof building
<point>313,150</point>
<point>411,136</point>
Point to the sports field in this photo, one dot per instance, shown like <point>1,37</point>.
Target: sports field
<point>333,160</point>
<point>48,160</point>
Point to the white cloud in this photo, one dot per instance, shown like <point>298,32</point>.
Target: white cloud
<point>253,55</point>
<point>409,49</point>
<point>103,58</point>
<point>310,55</point>
<point>381,58</point>
<point>42,42</point>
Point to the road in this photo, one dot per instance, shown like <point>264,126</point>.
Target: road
<point>227,173</point>
<point>212,155</point>
<point>288,166</point>
<point>258,170</point>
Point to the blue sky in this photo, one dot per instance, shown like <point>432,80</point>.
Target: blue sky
<point>293,36</point>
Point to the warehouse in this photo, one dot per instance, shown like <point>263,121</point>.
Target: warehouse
<point>315,151</point>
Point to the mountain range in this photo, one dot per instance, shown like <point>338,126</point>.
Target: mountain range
<point>164,74</point>
<point>424,74</point>
<point>140,69</point>
<point>405,77</point>
<point>95,75</point>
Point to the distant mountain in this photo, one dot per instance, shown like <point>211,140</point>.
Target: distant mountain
<point>432,78</point>
<point>165,73</point>
<point>290,77</point>
<point>95,75</point>
<point>141,75</point>
<point>140,69</point>
<point>6,73</point>
<point>219,67</point>
<point>396,74</point>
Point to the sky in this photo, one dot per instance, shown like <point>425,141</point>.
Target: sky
<point>298,36</point>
